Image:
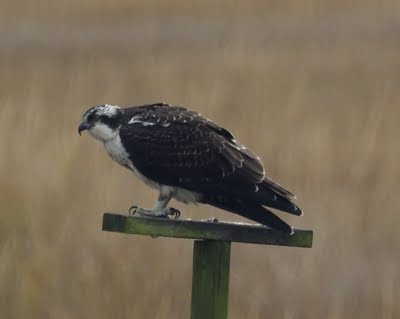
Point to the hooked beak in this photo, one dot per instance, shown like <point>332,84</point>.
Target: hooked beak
<point>83,127</point>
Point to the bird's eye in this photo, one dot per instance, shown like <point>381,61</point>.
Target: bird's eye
<point>93,117</point>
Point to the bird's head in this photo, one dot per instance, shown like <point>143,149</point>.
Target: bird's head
<point>102,121</point>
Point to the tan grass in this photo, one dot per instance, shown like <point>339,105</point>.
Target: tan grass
<point>322,111</point>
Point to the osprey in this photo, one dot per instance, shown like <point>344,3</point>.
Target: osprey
<point>190,158</point>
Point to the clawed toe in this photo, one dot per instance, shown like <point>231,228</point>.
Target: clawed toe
<point>175,214</point>
<point>136,210</point>
<point>132,210</point>
<point>163,213</point>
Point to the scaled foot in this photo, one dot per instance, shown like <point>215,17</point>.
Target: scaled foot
<point>159,213</point>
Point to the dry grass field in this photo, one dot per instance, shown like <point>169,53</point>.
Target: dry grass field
<point>310,86</point>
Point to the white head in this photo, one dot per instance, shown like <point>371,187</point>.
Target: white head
<point>102,121</point>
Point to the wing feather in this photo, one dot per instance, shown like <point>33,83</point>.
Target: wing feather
<point>177,147</point>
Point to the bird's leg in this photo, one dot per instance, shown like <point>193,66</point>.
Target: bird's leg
<point>160,208</point>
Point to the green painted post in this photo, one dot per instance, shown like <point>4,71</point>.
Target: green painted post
<point>210,282</point>
<point>211,253</point>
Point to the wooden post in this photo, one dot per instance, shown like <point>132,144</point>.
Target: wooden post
<point>210,283</point>
<point>211,253</point>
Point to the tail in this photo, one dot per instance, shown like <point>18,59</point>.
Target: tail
<point>249,210</point>
<point>272,195</point>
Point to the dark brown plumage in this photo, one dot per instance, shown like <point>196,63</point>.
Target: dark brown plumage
<point>189,157</point>
<point>181,148</point>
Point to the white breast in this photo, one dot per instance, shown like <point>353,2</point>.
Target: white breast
<point>117,151</point>
<point>119,154</point>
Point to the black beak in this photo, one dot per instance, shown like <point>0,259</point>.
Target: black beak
<point>83,127</point>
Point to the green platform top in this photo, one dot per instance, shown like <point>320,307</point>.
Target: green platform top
<point>191,229</point>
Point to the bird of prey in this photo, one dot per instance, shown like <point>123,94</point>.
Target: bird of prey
<point>190,158</point>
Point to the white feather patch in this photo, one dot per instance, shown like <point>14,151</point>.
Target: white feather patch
<point>137,120</point>
<point>108,110</point>
<point>102,132</point>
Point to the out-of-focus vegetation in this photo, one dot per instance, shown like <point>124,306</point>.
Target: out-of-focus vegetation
<point>310,86</point>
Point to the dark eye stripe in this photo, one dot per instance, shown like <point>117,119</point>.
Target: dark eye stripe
<point>92,116</point>
<point>88,115</point>
<point>112,122</point>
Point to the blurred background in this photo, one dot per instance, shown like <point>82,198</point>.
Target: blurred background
<point>310,86</point>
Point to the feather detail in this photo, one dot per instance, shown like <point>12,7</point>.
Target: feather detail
<point>249,210</point>
<point>170,146</point>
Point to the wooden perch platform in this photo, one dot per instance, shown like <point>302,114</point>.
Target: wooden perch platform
<point>211,252</point>
<point>206,230</point>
